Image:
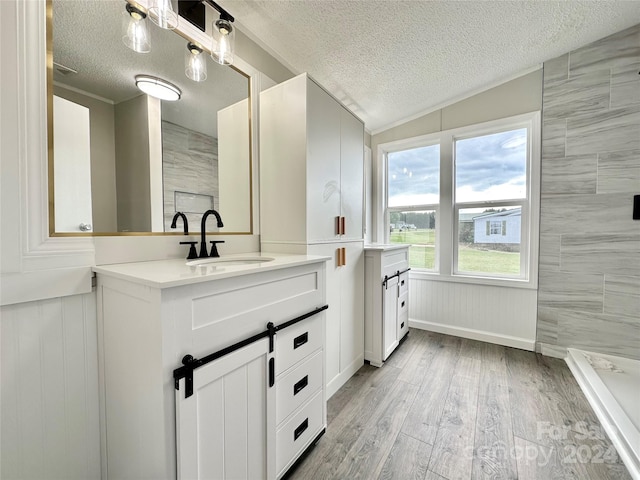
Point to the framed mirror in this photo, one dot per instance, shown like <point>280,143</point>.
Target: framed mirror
<point>123,162</point>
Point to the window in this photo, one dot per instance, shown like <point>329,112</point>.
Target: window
<point>413,194</point>
<point>491,188</point>
<point>473,193</point>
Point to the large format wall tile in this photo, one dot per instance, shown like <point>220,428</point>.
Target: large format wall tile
<point>586,213</point>
<point>571,291</point>
<point>616,50</point>
<point>556,70</point>
<point>549,256</point>
<point>547,330</point>
<point>607,131</point>
<point>554,138</point>
<point>619,171</point>
<point>622,295</point>
<point>605,253</point>
<point>625,85</point>
<point>599,333</point>
<point>570,174</point>
<point>577,96</point>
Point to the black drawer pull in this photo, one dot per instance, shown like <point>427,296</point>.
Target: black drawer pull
<point>402,325</point>
<point>402,306</point>
<point>300,430</point>
<point>301,340</point>
<point>402,282</point>
<point>300,385</point>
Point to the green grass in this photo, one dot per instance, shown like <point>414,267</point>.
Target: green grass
<point>422,254</point>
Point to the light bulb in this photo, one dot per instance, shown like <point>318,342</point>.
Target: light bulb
<point>195,66</point>
<point>135,34</point>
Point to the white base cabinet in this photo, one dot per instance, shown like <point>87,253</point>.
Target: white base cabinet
<point>386,300</point>
<point>252,411</point>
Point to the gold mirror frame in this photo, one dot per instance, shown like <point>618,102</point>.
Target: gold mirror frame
<point>50,144</point>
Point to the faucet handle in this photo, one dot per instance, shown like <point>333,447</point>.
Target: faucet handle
<point>214,247</point>
<point>192,250</point>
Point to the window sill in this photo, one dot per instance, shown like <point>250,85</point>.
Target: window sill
<point>474,280</point>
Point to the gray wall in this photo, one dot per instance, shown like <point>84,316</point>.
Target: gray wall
<point>132,165</point>
<point>589,284</point>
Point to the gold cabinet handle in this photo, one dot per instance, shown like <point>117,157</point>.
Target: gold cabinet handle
<point>342,225</point>
<point>338,225</point>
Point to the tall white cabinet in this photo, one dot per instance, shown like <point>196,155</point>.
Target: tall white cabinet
<point>311,201</point>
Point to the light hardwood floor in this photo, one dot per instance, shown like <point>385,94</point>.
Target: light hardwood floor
<point>443,407</point>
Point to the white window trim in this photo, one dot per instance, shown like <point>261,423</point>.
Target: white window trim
<point>446,219</point>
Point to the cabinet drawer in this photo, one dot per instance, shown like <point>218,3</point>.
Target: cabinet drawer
<point>297,341</point>
<point>297,386</point>
<point>403,283</point>
<point>403,315</point>
<point>297,432</point>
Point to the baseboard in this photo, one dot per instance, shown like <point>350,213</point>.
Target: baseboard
<point>549,350</point>
<point>506,340</point>
<point>339,380</point>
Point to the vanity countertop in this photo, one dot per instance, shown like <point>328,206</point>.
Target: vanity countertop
<point>177,272</point>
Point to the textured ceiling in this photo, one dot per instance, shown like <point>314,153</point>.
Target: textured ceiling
<point>390,60</point>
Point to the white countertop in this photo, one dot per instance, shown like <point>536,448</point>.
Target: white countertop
<point>385,246</point>
<point>176,272</point>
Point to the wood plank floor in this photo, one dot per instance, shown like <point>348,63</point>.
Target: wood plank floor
<point>448,408</point>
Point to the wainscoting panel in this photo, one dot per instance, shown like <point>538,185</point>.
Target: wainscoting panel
<point>49,373</point>
<point>502,315</point>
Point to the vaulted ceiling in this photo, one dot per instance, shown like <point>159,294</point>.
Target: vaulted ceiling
<point>390,60</point>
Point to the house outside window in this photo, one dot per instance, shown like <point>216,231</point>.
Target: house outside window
<point>483,218</point>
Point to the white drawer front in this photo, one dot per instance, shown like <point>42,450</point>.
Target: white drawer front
<point>297,341</point>
<point>403,315</point>
<point>403,283</point>
<point>298,385</point>
<point>298,431</point>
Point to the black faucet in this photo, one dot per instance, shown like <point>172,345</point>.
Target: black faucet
<point>184,222</point>
<point>203,237</point>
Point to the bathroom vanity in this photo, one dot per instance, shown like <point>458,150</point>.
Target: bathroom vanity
<point>212,368</point>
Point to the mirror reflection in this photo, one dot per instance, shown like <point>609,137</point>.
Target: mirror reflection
<point>125,161</point>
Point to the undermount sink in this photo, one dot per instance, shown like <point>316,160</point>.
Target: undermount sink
<point>231,261</point>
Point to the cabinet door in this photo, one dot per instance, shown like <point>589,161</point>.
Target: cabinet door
<point>389,317</point>
<point>224,429</point>
<point>351,174</point>
<point>352,306</point>
<point>333,314</point>
<point>323,164</point>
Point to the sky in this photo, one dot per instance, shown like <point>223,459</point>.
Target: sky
<point>489,167</point>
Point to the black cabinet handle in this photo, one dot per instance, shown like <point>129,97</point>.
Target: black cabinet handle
<point>402,325</point>
<point>301,428</point>
<point>300,385</point>
<point>272,372</point>
<point>402,283</point>
<point>300,340</point>
<point>402,304</point>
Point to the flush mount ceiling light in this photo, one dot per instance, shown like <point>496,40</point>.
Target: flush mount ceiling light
<point>135,34</point>
<point>158,88</point>
<point>195,63</point>
<point>162,14</point>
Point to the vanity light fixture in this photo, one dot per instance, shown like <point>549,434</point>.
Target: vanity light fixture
<point>195,63</point>
<point>135,33</point>
<point>162,14</point>
<point>158,88</point>
<point>223,35</point>
<point>222,31</point>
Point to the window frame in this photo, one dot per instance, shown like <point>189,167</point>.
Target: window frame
<point>447,210</point>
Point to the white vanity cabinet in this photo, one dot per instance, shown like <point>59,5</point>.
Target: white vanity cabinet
<point>230,417</point>
<point>386,300</point>
<point>311,201</point>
